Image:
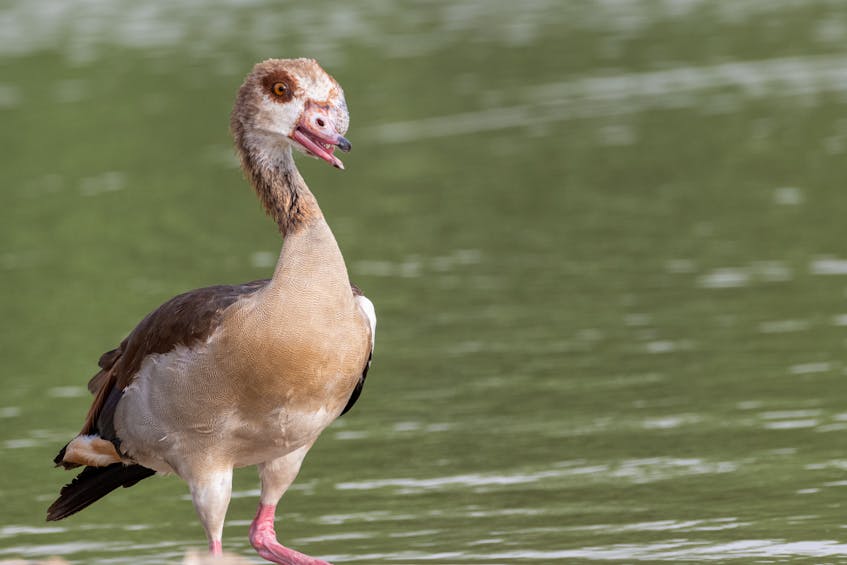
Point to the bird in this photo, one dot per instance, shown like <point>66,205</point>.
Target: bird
<point>231,376</point>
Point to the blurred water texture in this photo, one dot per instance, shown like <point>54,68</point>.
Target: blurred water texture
<point>605,240</point>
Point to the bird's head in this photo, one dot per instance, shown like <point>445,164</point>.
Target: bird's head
<point>291,102</point>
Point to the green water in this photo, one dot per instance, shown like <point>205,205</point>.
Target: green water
<point>605,241</point>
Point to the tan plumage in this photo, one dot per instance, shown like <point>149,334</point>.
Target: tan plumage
<point>250,374</point>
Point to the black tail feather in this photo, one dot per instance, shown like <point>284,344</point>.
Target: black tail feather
<point>93,484</point>
<point>59,460</point>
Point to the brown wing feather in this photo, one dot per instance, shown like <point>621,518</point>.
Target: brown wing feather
<point>182,320</point>
<point>106,362</point>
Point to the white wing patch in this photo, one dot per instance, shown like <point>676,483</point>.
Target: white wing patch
<point>370,313</point>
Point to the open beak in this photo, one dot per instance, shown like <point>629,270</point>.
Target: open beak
<point>316,132</point>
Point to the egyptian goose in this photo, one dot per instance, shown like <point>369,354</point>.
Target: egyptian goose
<point>230,376</point>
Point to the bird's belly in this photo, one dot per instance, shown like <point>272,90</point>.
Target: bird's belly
<point>194,404</point>
<point>274,435</point>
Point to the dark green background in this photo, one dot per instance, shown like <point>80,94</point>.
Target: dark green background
<point>605,241</point>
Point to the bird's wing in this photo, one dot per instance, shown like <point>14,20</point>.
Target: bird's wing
<point>367,308</point>
<point>183,320</point>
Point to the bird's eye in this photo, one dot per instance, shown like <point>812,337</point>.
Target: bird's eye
<point>280,89</point>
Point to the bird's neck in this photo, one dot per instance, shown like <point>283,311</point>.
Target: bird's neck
<point>310,260</point>
<point>279,185</point>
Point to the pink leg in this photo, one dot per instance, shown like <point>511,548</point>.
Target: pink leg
<point>215,547</point>
<point>263,539</point>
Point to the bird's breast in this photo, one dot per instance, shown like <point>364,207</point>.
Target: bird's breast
<point>304,364</point>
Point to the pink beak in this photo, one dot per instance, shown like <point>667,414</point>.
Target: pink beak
<point>317,133</point>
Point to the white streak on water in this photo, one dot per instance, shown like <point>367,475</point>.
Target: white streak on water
<point>20,443</point>
<point>758,271</point>
<point>828,266</point>
<point>488,541</point>
<point>61,548</point>
<point>375,516</point>
<point>831,464</point>
<point>615,95</point>
<point>709,525</point>
<point>10,412</point>
<point>414,533</point>
<point>406,426</point>
<point>790,424</point>
<point>638,471</point>
<point>504,512</point>
<point>669,422</point>
<point>787,414</point>
<point>808,368</point>
<point>305,487</point>
<point>351,435</point>
<point>110,181</point>
<point>36,438</point>
<point>783,326</point>
<point>14,530</point>
<point>471,479</point>
<point>725,278</point>
<point>67,391</point>
<point>666,346</point>
<point>335,537</point>
<point>788,196</point>
<point>249,493</point>
<point>641,471</point>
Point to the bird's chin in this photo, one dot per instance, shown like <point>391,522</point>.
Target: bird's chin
<point>313,146</point>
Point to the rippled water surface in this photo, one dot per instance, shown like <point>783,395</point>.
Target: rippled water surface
<point>605,240</point>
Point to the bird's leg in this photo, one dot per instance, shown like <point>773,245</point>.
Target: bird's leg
<point>216,547</point>
<point>210,492</point>
<point>277,476</point>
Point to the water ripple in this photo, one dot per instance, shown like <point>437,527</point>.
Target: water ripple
<point>614,95</point>
<point>637,471</point>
